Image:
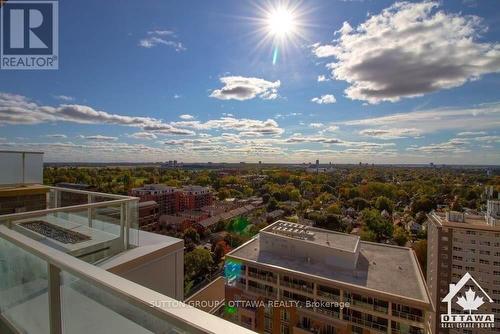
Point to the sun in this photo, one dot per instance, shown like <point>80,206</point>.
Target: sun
<point>281,21</point>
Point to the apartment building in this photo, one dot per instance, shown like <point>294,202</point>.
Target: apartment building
<point>172,200</point>
<point>149,214</point>
<point>166,197</point>
<point>460,243</point>
<point>87,268</point>
<point>325,282</point>
<point>194,197</point>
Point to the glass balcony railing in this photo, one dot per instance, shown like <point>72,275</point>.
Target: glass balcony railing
<point>44,290</point>
<point>369,306</point>
<point>87,225</point>
<point>328,295</point>
<point>408,316</point>
<point>365,322</point>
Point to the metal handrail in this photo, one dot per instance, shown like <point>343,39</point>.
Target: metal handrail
<point>185,318</point>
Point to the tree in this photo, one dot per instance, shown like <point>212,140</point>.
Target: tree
<point>400,236</point>
<point>191,237</point>
<point>420,248</point>
<point>360,203</point>
<point>198,263</point>
<point>220,249</point>
<point>272,204</point>
<point>383,203</point>
<point>377,224</point>
<point>423,203</point>
<point>368,235</point>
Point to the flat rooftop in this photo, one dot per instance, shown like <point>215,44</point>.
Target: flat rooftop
<point>470,221</point>
<point>332,239</point>
<point>384,268</point>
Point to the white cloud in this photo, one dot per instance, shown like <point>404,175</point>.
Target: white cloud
<point>297,139</point>
<point>56,135</point>
<point>143,135</point>
<point>324,99</point>
<point>267,127</point>
<point>18,109</point>
<point>162,37</point>
<point>471,133</point>
<point>393,133</point>
<point>452,146</point>
<point>99,138</point>
<point>246,88</point>
<point>64,98</point>
<point>480,117</point>
<point>186,117</point>
<point>322,78</point>
<point>408,50</point>
<point>316,125</point>
<point>331,128</point>
<point>177,96</point>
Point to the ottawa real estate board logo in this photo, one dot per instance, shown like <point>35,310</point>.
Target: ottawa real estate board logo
<point>470,300</point>
<point>29,35</point>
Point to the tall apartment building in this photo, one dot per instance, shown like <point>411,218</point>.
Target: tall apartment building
<point>459,243</point>
<point>86,267</point>
<point>381,287</point>
<point>165,196</point>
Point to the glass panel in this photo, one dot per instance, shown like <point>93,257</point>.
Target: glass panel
<point>90,238</point>
<point>133,218</point>
<point>87,308</point>
<point>23,289</point>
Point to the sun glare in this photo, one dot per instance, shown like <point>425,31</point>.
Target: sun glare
<point>281,22</point>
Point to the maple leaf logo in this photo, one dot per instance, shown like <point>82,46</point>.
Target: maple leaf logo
<point>470,302</point>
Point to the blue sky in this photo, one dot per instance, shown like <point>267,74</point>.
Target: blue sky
<point>371,81</point>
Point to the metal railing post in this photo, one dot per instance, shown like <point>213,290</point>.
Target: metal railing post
<point>90,210</point>
<point>55,318</point>
<point>123,217</point>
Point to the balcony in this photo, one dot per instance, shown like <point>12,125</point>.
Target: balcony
<point>263,277</point>
<point>46,290</point>
<point>369,306</point>
<point>366,323</point>
<point>296,286</point>
<point>268,293</point>
<point>88,225</point>
<point>328,295</point>
<point>408,316</point>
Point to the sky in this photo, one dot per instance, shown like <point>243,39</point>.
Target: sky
<point>272,81</point>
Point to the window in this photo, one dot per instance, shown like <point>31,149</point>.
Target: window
<point>268,325</point>
<point>285,315</point>
<point>357,330</point>
<point>284,328</point>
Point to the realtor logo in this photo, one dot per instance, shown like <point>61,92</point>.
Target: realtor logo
<point>29,35</point>
<point>469,300</point>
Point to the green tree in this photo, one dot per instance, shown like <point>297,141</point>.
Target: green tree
<point>400,236</point>
<point>198,263</point>
<point>374,221</point>
<point>191,236</point>
<point>420,248</point>
<point>383,203</point>
<point>272,204</point>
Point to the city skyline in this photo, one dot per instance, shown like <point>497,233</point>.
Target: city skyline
<point>342,81</point>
